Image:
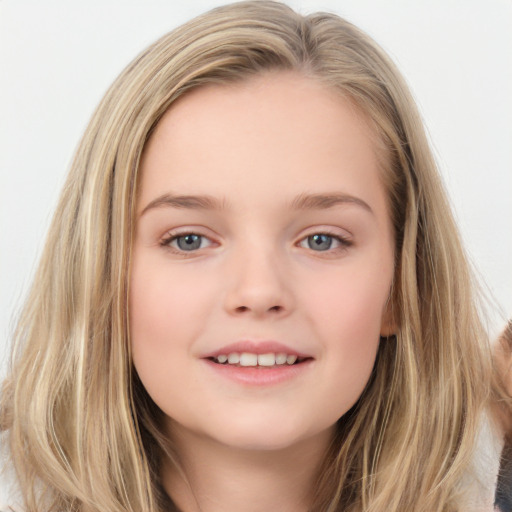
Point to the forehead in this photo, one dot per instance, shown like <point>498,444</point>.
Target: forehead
<point>269,133</point>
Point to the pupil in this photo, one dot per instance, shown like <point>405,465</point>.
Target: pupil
<point>189,242</point>
<point>320,242</point>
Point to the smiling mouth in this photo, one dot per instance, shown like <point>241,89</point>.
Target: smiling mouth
<point>248,359</point>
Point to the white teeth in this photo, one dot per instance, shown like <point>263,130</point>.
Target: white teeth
<point>280,358</point>
<point>233,358</point>
<point>248,359</point>
<point>267,359</point>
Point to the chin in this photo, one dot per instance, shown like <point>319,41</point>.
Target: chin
<point>266,435</point>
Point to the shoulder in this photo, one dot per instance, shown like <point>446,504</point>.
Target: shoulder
<point>479,484</point>
<point>10,495</point>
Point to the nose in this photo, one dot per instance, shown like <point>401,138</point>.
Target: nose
<point>258,286</point>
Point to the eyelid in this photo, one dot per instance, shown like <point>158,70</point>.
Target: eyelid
<point>172,234</point>
<point>335,232</point>
<point>345,240</point>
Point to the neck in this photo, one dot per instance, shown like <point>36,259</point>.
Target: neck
<point>217,478</point>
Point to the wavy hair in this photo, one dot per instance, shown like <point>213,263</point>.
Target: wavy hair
<point>82,432</point>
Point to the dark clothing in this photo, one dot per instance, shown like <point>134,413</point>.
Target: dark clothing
<point>503,499</point>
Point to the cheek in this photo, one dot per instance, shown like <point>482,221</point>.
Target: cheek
<point>346,312</point>
<point>154,310</point>
<point>166,314</point>
<point>351,332</point>
<point>350,304</point>
<point>165,301</point>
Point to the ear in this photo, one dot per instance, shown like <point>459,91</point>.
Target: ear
<point>388,324</point>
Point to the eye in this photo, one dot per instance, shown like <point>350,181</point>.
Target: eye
<point>320,242</point>
<point>186,242</point>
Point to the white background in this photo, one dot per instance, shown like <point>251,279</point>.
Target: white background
<point>57,58</point>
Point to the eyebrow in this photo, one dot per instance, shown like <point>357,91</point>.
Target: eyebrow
<point>202,202</point>
<point>325,201</point>
<point>301,202</point>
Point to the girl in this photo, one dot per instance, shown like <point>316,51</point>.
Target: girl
<point>253,295</point>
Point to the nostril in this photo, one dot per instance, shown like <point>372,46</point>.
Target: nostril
<point>243,309</point>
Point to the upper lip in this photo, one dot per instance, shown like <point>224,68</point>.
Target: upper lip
<point>256,347</point>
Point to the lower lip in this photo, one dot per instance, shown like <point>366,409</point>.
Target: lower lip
<point>260,376</point>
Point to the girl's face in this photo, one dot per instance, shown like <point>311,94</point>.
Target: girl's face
<point>263,238</point>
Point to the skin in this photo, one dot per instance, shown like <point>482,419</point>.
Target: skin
<point>256,147</point>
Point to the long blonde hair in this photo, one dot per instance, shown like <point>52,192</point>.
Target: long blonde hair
<point>83,434</point>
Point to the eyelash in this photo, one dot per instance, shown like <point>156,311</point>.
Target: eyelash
<point>172,236</point>
<point>344,242</point>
